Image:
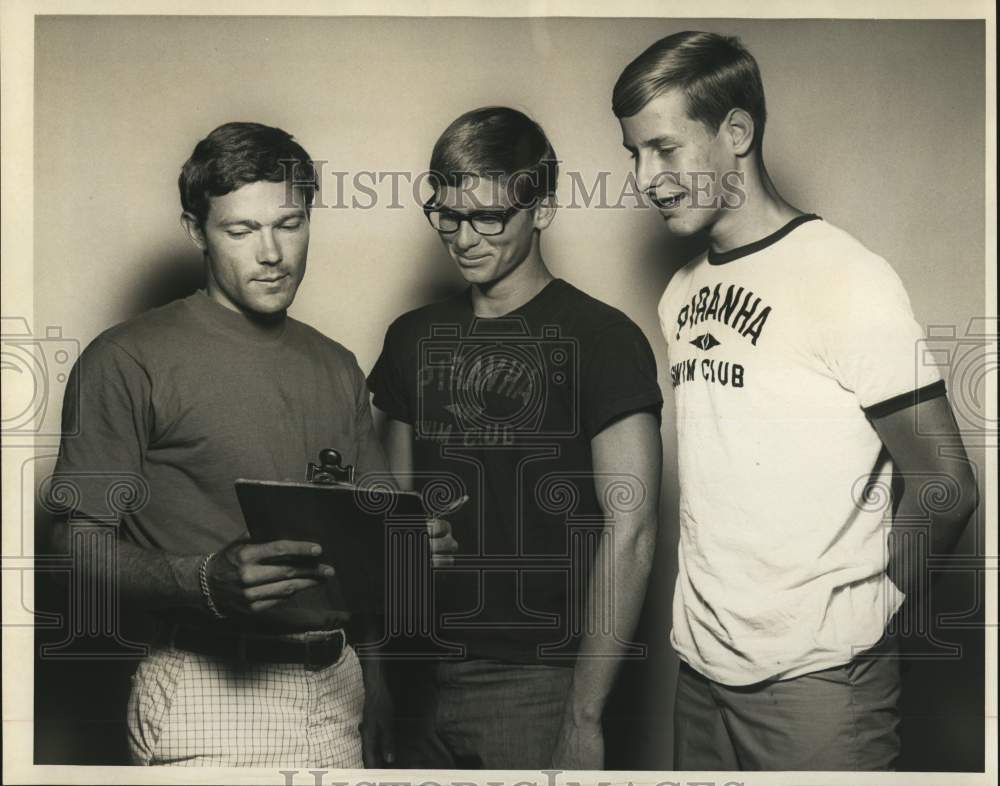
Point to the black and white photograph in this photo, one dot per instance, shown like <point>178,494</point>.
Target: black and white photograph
<point>538,393</point>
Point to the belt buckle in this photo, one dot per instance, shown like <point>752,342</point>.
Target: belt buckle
<point>310,660</point>
<point>317,656</point>
<point>323,653</point>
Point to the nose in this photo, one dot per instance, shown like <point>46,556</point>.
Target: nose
<point>465,237</point>
<point>268,249</point>
<point>645,172</point>
<point>650,177</point>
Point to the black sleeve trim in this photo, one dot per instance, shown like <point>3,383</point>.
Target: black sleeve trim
<point>655,409</point>
<point>382,403</point>
<point>646,401</point>
<point>905,400</point>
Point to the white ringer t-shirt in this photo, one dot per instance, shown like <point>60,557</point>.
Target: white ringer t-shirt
<point>779,354</point>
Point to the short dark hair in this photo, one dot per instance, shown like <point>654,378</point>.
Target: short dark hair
<point>716,73</point>
<point>501,143</point>
<point>237,154</point>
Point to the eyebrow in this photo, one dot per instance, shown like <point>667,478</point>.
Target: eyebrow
<point>656,141</point>
<point>298,214</point>
<point>486,211</point>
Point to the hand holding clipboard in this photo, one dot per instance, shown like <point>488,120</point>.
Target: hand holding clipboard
<point>346,521</point>
<point>248,578</point>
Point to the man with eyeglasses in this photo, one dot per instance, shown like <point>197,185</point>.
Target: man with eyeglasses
<point>541,404</point>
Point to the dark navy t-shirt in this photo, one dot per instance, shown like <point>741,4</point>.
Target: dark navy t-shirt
<point>504,410</point>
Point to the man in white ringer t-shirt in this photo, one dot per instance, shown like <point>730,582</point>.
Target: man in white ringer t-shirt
<point>792,354</point>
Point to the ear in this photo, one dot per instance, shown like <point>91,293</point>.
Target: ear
<point>194,231</point>
<point>739,129</point>
<point>545,211</point>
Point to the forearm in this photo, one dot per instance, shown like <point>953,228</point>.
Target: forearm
<point>148,578</point>
<point>627,457</point>
<point>398,442</point>
<point>941,531</point>
<point>939,492</point>
<point>160,580</point>
<point>630,554</point>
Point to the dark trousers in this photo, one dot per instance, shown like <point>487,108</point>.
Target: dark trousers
<point>479,714</point>
<point>844,718</point>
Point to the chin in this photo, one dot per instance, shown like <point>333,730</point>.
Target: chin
<point>473,276</point>
<point>268,308</point>
<point>679,226</point>
<point>675,227</point>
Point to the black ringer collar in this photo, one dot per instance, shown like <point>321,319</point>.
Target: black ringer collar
<point>758,245</point>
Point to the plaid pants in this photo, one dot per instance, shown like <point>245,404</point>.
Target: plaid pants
<point>194,710</point>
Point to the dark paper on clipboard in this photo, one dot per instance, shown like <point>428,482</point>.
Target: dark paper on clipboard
<point>348,522</point>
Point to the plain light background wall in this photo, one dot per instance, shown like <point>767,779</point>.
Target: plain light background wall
<point>876,126</point>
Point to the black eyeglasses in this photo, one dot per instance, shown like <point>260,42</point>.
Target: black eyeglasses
<point>485,222</point>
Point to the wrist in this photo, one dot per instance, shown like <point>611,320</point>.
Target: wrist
<point>186,580</point>
<point>374,676</point>
<point>208,599</point>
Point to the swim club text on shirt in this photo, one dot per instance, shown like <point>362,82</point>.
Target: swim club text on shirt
<point>733,309</point>
<point>367,189</point>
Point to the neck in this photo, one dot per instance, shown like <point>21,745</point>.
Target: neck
<point>506,294</point>
<point>262,321</point>
<point>763,211</point>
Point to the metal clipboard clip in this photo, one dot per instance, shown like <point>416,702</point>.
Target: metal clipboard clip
<point>329,470</point>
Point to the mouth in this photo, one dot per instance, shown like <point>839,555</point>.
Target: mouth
<point>467,260</point>
<point>669,202</point>
<point>271,279</point>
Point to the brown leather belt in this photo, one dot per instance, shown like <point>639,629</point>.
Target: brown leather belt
<point>314,654</point>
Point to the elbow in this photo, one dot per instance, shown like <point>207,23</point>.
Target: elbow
<point>954,522</point>
<point>639,541</point>
<point>647,536</point>
<point>968,496</point>
<point>971,499</point>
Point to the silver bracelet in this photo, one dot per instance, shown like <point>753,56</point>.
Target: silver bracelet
<point>206,592</point>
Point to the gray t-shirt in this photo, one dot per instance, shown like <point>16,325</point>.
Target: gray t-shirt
<point>182,400</point>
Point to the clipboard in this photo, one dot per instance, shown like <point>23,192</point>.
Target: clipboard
<point>348,521</point>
